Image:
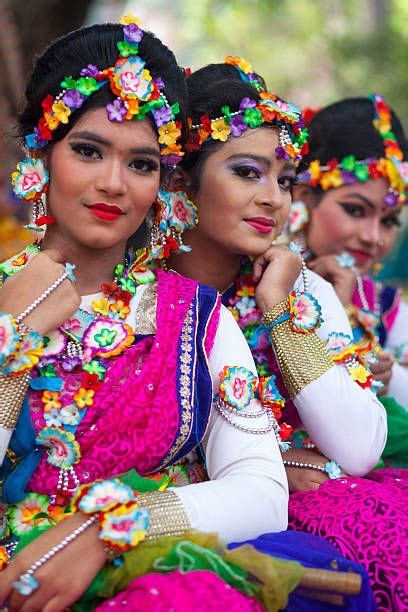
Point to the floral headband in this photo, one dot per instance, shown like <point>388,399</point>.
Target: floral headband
<point>137,95</point>
<point>349,170</point>
<point>251,114</point>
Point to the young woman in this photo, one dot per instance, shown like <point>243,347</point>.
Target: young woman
<point>348,220</point>
<point>106,369</point>
<point>239,172</point>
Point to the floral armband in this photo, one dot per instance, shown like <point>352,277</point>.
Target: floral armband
<point>401,354</point>
<point>342,350</point>
<point>122,524</point>
<point>238,387</point>
<point>302,310</point>
<point>21,348</point>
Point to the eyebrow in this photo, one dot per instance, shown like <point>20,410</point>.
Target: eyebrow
<point>360,197</point>
<point>261,159</point>
<point>98,139</point>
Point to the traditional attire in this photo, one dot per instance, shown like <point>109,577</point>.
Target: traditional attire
<point>347,424</point>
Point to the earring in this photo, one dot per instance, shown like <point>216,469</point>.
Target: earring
<point>174,213</point>
<point>30,183</point>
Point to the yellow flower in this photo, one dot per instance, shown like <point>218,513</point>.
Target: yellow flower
<point>314,170</point>
<point>132,107</point>
<point>50,400</point>
<point>129,18</point>
<point>101,306</point>
<point>243,64</point>
<point>168,133</point>
<point>359,374</point>
<point>52,121</point>
<point>220,130</point>
<point>84,397</point>
<point>61,111</point>
<point>332,179</point>
<point>396,181</point>
<point>120,307</point>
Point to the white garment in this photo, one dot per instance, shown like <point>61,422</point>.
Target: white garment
<point>347,423</point>
<point>398,387</point>
<point>248,491</point>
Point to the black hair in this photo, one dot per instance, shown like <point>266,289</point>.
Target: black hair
<point>346,128</point>
<point>209,89</point>
<point>96,45</point>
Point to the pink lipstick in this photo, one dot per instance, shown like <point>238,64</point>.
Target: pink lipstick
<point>263,225</point>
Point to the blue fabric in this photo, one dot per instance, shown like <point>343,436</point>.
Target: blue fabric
<point>313,551</point>
<point>386,298</point>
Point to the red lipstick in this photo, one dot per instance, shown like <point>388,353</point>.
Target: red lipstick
<point>263,225</point>
<point>106,212</point>
<point>362,257</point>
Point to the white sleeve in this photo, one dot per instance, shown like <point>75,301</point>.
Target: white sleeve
<point>347,423</point>
<point>398,335</point>
<point>248,492</point>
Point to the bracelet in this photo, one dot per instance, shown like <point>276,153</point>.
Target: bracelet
<point>12,392</point>
<point>122,523</point>
<point>167,514</point>
<point>280,310</point>
<point>67,274</point>
<point>301,309</point>
<point>27,583</point>
<point>331,468</point>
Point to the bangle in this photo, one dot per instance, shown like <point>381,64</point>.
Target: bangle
<point>122,524</point>
<point>12,392</point>
<point>331,468</point>
<point>27,583</point>
<point>269,318</point>
<point>167,514</point>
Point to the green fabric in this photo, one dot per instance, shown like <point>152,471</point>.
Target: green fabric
<point>267,579</point>
<point>396,448</point>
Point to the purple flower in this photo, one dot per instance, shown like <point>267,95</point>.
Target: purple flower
<point>39,140</point>
<point>237,126</point>
<point>73,98</point>
<point>70,363</point>
<point>159,83</point>
<point>349,178</point>
<point>133,33</point>
<point>162,115</point>
<point>281,153</point>
<point>391,199</point>
<point>247,103</point>
<point>116,110</point>
<point>170,160</point>
<point>89,71</point>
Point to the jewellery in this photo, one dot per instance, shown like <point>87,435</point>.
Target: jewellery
<point>27,583</point>
<point>301,310</point>
<point>12,393</point>
<point>21,347</point>
<point>67,274</point>
<point>122,523</point>
<point>345,260</point>
<point>349,170</point>
<point>299,217</point>
<point>175,214</point>
<point>331,468</point>
<point>251,114</point>
<point>138,94</point>
<point>167,515</point>
<point>238,387</point>
<point>30,183</point>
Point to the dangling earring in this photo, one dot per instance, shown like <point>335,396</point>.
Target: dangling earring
<point>299,218</point>
<point>30,183</point>
<point>174,213</point>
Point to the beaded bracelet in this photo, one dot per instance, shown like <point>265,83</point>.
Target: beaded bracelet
<point>331,468</point>
<point>302,310</point>
<point>27,583</point>
<point>21,348</point>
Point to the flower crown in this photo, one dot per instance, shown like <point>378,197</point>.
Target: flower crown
<point>137,95</point>
<point>349,170</point>
<point>251,114</point>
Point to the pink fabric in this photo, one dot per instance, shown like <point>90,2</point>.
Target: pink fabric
<point>388,317</point>
<point>127,427</point>
<point>367,520</point>
<point>198,591</point>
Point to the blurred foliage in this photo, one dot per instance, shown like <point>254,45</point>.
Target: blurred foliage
<point>313,52</point>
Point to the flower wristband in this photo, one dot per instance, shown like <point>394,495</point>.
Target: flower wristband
<point>21,347</point>
<point>302,310</point>
<point>122,524</point>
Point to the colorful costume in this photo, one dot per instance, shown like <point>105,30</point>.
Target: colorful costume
<point>343,426</point>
